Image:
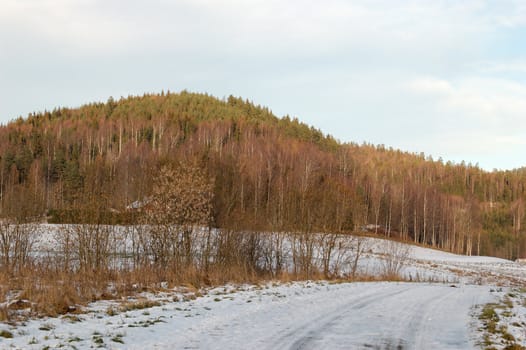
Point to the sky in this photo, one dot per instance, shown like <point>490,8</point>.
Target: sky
<point>442,77</point>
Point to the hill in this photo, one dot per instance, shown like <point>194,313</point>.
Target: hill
<point>267,173</point>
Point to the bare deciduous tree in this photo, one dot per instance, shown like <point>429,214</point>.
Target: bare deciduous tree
<point>396,257</point>
<point>16,241</point>
<point>303,254</point>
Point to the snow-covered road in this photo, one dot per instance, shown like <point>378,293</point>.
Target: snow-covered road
<point>303,315</point>
<point>402,316</point>
<point>344,316</point>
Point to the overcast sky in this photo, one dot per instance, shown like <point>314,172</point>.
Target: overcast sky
<point>443,77</point>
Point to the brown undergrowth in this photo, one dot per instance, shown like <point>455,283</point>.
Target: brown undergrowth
<point>40,292</point>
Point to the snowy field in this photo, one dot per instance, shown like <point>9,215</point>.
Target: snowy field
<point>424,264</point>
<point>438,310</point>
<point>421,264</point>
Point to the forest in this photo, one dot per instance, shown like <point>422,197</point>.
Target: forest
<point>98,163</point>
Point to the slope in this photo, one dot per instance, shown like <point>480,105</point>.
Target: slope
<point>268,173</point>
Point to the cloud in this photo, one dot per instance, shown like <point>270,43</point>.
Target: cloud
<point>514,66</point>
<point>517,17</point>
<point>487,101</point>
<point>61,26</point>
<point>432,86</point>
<point>512,140</point>
<point>252,26</point>
<point>476,118</point>
<point>494,104</point>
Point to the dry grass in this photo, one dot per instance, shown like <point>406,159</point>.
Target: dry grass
<point>51,293</point>
<point>139,305</point>
<point>4,315</point>
<point>53,289</point>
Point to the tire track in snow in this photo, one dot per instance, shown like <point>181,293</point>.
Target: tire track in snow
<point>415,323</point>
<point>314,328</point>
<point>366,316</point>
<point>402,317</point>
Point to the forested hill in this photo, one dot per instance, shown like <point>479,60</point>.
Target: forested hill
<point>268,173</point>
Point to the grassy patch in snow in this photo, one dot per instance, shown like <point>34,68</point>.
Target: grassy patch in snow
<point>132,305</point>
<point>46,327</point>
<point>503,323</point>
<point>6,334</point>
<point>117,338</point>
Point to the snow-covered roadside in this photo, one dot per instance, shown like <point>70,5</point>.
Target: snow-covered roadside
<point>502,324</point>
<point>296,315</point>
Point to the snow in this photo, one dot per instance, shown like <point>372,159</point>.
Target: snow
<point>302,315</point>
<point>509,322</point>
<point>425,264</point>
<point>436,311</point>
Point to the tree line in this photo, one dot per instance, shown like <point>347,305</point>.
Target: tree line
<point>265,174</point>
